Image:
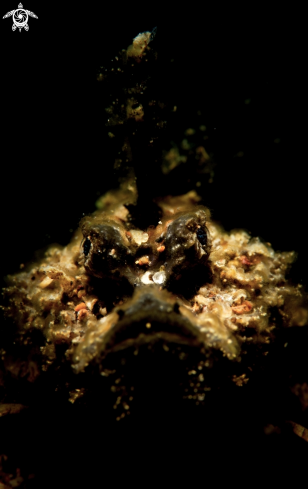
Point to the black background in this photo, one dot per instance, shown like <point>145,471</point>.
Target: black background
<point>53,160</point>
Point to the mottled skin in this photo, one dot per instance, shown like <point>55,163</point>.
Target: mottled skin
<point>180,244</point>
<point>122,319</point>
<point>178,299</point>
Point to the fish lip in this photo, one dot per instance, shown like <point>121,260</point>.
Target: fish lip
<point>150,316</point>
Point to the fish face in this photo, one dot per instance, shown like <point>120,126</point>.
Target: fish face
<point>171,254</point>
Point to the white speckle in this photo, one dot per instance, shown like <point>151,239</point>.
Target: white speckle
<point>145,279</point>
<point>139,236</point>
<point>159,277</point>
<point>47,281</point>
<point>175,247</point>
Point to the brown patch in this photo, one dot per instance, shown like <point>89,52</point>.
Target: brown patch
<point>203,155</point>
<point>244,260</point>
<point>82,314</point>
<point>299,430</point>
<point>240,380</point>
<point>81,293</point>
<point>144,260</point>
<point>246,306</point>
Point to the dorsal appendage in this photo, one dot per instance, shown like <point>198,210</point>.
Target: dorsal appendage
<point>150,269</point>
<point>140,43</point>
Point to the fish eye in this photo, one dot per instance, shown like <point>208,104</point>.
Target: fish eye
<point>202,236</point>
<point>86,246</point>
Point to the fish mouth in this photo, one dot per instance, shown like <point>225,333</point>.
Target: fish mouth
<point>150,317</point>
<point>150,351</point>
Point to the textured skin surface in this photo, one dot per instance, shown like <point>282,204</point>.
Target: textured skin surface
<point>144,270</point>
<point>116,287</point>
<point>136,314</point>
<point>111,247</point>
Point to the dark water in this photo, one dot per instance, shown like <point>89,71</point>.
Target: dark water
<point>54,164</point>
<point>240,73</point>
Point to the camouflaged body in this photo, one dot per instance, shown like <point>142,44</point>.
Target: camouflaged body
<point>184,282</point>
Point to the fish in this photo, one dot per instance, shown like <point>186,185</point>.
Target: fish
<point>151,298</point>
